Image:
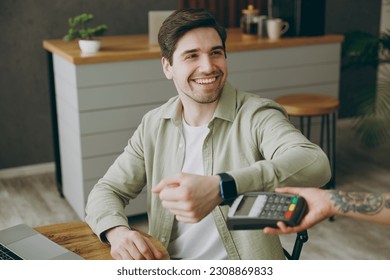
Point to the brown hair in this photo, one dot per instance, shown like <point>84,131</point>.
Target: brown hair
<point>182,21</point>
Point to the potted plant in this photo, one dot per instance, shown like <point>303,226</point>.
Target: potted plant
<point>78,29</point>
<point>372,122</point>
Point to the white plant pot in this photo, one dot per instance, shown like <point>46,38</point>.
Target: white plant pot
<point>89,46</point>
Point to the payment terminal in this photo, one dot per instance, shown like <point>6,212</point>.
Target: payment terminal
<point>257,210</point>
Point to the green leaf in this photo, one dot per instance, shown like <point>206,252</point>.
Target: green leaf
<point>78,28</point>
<point>373,126</point>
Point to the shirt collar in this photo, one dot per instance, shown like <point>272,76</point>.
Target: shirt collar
<point>226,108</point>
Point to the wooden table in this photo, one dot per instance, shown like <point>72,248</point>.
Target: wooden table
<point>80,239</point>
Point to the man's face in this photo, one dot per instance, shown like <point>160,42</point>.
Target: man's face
<point>199,68</point>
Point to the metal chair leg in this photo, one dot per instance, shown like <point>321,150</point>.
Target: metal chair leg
<point>308,127</point>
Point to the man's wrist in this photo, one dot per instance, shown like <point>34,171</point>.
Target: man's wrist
<point>110,233</point>
<point>228,188</point>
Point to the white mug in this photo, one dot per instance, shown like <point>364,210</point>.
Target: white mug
<point>276,28</point>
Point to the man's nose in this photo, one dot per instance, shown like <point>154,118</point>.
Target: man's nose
<point>206,64</point>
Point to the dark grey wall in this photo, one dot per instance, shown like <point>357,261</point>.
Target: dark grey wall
<point>344,16</point>
<point>25,122</point>
<point>347,15</point>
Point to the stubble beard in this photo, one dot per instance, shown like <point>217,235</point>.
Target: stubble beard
<point>206,97</point>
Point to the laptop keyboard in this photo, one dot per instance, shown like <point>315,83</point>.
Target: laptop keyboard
<point>6,254</point>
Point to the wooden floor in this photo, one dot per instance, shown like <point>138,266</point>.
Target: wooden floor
<point>34,200</point>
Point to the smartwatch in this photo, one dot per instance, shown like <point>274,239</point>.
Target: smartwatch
<point>228,188</point>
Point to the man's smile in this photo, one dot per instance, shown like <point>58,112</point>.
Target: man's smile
<point>205,80</point>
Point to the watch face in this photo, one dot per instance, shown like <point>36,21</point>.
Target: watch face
<point>228,188</point>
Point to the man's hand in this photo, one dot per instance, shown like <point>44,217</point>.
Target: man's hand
<point>190,197</point>
<point>127,244</point>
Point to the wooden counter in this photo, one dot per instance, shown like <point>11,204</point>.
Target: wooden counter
<point>134,47</point>
<point>79,238</point>
<point>99,100</point>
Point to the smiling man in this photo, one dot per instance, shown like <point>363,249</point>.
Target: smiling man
<point>197,152</point>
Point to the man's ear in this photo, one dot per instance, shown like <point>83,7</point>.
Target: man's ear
<point>166,68</point>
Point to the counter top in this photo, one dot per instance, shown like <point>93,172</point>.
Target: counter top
<point>135,47</point>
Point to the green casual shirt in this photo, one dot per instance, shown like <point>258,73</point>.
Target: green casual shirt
<point>250,138</point>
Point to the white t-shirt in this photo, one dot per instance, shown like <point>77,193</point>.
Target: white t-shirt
<point>201,240</point>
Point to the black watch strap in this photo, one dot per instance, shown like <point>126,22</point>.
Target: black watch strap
<point>228,188</point>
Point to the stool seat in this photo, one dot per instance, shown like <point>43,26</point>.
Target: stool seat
<point>308,104</point>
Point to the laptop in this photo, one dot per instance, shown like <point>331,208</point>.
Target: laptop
<point>23,242</point>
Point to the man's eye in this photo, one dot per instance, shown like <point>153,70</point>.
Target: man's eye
<point>216,53</point>
<point>190,56</point>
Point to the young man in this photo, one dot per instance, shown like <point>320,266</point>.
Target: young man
<point>371,207</point>
<point>196,152</point>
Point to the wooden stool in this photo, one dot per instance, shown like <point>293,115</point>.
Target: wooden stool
<point>306,106</point>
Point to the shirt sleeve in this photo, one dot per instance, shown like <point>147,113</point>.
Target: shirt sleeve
<point>122,182</point>
<point>290,159</point>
